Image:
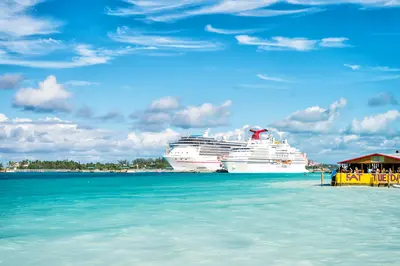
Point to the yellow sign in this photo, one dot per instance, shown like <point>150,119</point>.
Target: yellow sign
<point>366,179</point>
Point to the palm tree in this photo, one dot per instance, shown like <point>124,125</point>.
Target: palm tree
<point>1,166</point>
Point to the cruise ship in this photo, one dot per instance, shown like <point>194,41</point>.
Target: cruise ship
<point>200,152</point>
<point>265,156</point>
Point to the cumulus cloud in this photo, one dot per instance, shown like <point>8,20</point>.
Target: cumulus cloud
<point>114,116</point>
<point>167,111</point>
<point>152,139</point>
<point>165,103</point>
<point>311,119</point>
<point>48,97</point>
<point>10,81</point>
<point>205,115</point>
<point>86,112</point>
<point>383,99</point>
<point>53,138</point>
<point>284,43</point>
<point>375,124</point>
<point>3,117</point>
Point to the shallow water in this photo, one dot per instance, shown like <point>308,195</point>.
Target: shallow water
<point>194,219</point>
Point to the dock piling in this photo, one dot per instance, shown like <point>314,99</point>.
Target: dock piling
<point>322,179</point>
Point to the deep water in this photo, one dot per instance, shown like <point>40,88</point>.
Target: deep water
<point>168,219</point>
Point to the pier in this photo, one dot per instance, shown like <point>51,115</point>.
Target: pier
<point>376,170</point>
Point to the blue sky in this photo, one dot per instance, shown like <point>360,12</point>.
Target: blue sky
<point>105,80</point>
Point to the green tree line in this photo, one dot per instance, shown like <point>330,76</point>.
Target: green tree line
<point>156,163</point>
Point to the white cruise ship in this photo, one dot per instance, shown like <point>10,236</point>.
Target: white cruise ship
<point>200,152</point>
<point>265,156</point>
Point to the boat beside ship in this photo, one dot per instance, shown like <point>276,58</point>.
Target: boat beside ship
<point>265,155</point>
<point>200,152</point>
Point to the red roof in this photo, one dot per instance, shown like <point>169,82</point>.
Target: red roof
<point>369,155</point>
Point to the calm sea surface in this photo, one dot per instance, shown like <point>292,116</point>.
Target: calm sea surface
<point>50,219</point>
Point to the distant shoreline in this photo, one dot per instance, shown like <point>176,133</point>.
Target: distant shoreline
<point>101,171</point>
<point>130,171</point>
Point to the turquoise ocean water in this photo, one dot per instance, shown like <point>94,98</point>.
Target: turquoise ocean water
<point>168,219</point>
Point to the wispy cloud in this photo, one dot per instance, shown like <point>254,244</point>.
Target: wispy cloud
<point>353,67</point>
<point>210,28</point>
<point>278,43</point>
<point>162,11</point>
<point>376,74</point>
<point>386,69</point>
<point>337,42</point>
<point>31,46</point>
<point>276,79</point>
<point>77,83</point>
<point>15,20</point>
<point>365,3</point>
<point>274,13</point>
<point>86,55</point>
<point>126,35</point>
<point>284,43</point>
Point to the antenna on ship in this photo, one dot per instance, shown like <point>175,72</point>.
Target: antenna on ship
<point>206,132</point>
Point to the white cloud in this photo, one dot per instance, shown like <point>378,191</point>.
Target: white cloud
<point>168,112</point>
<point>165,104</point>
<point>386,69</point>
<point>373,69</point>
<point>49,97</point>
<point>10,81</point>
<point>52,138</point>
<point>375,124</point>
<point>86,55</point>
<point>77,83</point>
<point>274,13</point>
<point>210,28</point>
<point>278,43</point>
<point>337,42</point>
<point>163,11</point>
<point>146,140</point>
<point>269,78</point>
<point>31,47</point>
<point>311,119</point>
<point>353,67</point>
<point>126,35</point>
<point>205,115</point>
<point>377,3</point>
<point>15,20</point>
<point>3,117</point>
<point>284,43</point>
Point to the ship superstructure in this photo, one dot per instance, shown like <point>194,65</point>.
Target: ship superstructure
<point>266,155</point>
<point>200,152</point>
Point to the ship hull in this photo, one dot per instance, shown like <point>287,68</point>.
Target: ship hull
<point>201,163</point>
<point>242,167</point>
